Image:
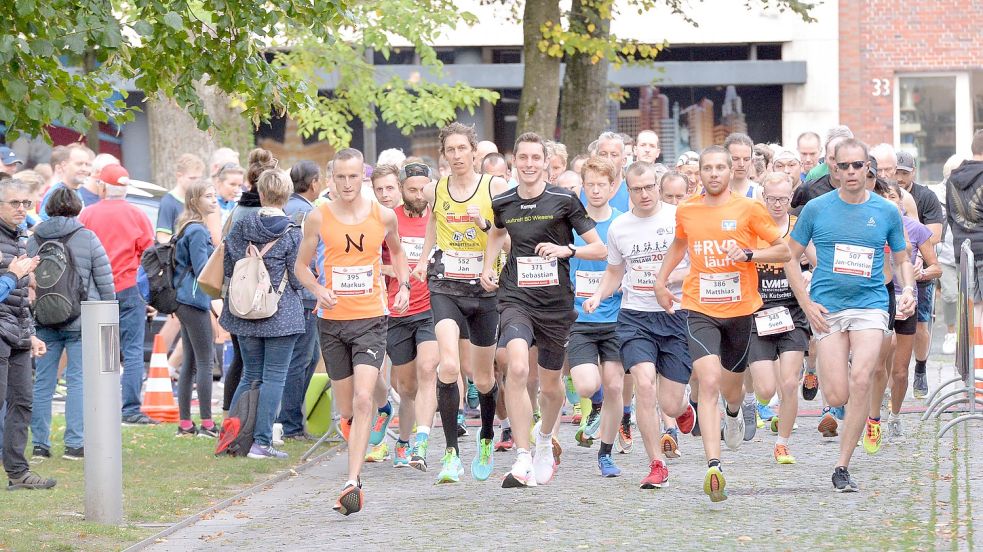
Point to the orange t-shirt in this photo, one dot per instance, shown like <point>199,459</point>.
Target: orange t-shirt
<point>717,286</point>
<point>352,265</point>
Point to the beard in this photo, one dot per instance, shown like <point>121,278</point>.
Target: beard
<point>416,208</point>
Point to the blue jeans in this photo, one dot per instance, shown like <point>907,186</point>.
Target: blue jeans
<point>265,359</point>
<point>45,379</point>
<point>303,362</point>
<point>132,327</point>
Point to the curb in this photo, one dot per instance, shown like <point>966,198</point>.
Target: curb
<point>194,518</point>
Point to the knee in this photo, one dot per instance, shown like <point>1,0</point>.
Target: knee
<point>644,389</point>
<point>709,385</point>
<point>450,368</point>
<point>790,386</point>
<point>586,386</point>
<point>518,374</point>
<point>765,390</point>
<point>859,381</point>
<point>362,402</point>
<point>837,397</point>
<point>406,384</point>
<point>614,388</point>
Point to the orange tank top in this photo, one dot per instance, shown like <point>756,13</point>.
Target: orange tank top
<point>352,265</point>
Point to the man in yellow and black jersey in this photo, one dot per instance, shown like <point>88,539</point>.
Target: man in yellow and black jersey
<point>462,217</point>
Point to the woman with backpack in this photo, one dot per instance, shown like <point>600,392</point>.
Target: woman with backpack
<point>72,264</point>
<point>268,327</point>
<point>192,248</point>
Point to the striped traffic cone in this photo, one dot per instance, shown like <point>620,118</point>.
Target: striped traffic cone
<point>158,397</point>
<point>978,358</point>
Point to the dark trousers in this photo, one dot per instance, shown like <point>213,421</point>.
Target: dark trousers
<point>17,386</point>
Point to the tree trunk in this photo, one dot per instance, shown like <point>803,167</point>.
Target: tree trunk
<point>583,107</point>
<point>540,81</point>
<point>173,132</point>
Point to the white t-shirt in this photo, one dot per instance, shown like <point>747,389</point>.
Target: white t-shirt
<point>641,244</point>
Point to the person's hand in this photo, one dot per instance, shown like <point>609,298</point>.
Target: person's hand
<point>907,302</point>
<point>474,211</point>
<point>38,348</point>
<point>550,251</point>
<point>326,299</point>
<point>402,300</point>
<point>420,271</point>
<point>591,303</point>
<point>816,315</point>
<point>736,253</point>
<point>23,265</point>
<point>665,297</point>
<point>151,312</point>
<point>489,280</point>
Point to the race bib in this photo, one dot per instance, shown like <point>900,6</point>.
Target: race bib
<point>853,260</point>
<point>774,321</point>
<point>351,280</point>
<point>463,265</point>
<point>536,272</point>
<point>588,282</point>
<point>641,276</point>
<point>413,247</point>
<point>724,287</point>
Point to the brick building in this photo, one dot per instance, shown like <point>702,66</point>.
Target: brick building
<point>911,74</point>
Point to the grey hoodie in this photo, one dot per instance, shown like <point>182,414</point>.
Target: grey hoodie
<point>90,258</point>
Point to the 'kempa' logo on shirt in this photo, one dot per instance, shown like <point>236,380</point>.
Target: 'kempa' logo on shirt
<point>728,225</point>
<point>533,206</point>
<point>871,222</point>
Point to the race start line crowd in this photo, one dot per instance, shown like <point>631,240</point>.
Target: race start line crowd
<point>691,295</point>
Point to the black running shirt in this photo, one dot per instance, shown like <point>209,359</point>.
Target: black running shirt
<point>552,217</point>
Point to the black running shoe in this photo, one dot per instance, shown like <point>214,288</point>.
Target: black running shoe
<point>842,482</point>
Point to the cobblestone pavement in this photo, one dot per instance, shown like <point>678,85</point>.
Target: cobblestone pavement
<point>923,494</point>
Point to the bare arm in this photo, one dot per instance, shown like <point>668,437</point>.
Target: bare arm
<point>793,272</point>
<point>397,256</point>
<point>610,282</point>
<point>429,238</point>
<point>906,303</point>
<point>496,240</point>
<point>672,259</point>
<point>302,267</point>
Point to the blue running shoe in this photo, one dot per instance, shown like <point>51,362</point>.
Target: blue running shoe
<point>765,412</point>
<point>379,429</point>
<point>592,428</point>
<point>483,462</point>
<point>606,466</point>
<point>472,396</point>
<point>451,469</point>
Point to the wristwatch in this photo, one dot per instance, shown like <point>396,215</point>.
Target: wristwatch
<point>750,254</point>
<point>407,286</point>
<point>573,249</point>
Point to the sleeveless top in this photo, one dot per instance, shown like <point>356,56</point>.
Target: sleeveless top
<point>460,246</point>
<point>412,231</point>
<point>352,264</point>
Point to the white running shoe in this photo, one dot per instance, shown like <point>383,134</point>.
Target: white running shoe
<point>543,464</point>
<point>734,430</point>
<point>521,475</point>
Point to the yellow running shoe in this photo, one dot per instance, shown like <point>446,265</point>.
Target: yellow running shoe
<point>783,456</point>
<point>872,436</point>
<point>714,485</point>
<point>378,453</point>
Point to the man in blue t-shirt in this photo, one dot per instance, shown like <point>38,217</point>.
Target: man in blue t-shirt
<point>188,169</point>
<point>847,302</point>
<point>611,146</point>
<point>70,173</point>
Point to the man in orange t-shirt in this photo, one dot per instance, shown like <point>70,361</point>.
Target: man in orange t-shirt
<point>719,230</point>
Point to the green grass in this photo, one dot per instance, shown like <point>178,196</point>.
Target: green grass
<point>165,479</point>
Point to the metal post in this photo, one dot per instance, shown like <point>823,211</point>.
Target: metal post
<point>102,402</point>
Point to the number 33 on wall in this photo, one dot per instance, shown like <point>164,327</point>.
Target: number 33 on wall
<point>882,87</point>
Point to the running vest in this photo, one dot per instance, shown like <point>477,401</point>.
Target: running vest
<point>352,264</point>
<point>411,233</point>
<point>459,256</point>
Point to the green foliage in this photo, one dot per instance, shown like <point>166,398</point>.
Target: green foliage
<point>170,46</point>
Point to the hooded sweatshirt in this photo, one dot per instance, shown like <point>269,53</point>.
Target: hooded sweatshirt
<point>964,207</point>
<point>259,230</point>
<point>87,252</point>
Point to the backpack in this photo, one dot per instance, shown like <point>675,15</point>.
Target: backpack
<point>236,437</point>
<point>158,264</point>
<point>60,290</point>
<point>251,295</point>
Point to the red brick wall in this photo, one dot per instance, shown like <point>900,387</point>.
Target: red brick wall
<point>881,39</point>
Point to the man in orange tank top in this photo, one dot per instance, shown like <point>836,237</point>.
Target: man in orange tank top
<point>353,301</point>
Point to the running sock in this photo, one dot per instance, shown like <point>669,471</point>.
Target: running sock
<point>543,438</point>
<point>506,424</point>
<point>351,483</point>
<point>714,463</point>
<point>448,397</point>
<point>627,410</point>
<point>732,414</point>
<point>606,449</point>
<point>920,366</point>
<point>595,406</point>
<point>598,396</point>
<point>781,441</point>
<point>186,424</point>
<point>386,409</point>
<point>208,424</point>
<point>486,401</point>
<point>826,410</point>
<point>402,442</point>
<point>422,430</point>
<point>873,419</point>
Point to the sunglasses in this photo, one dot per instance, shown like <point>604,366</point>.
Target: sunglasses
<point>847,164</point>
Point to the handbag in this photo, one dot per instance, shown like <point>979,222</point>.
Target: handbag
<point>212,277</point>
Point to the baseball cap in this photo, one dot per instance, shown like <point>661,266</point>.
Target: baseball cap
<point>114,174</point>
<point>413,169</point>
<point>872,165</point>
<point>785,154</point>
<point>688,158</point>
<point>8,157</point>
<point>906,161</point>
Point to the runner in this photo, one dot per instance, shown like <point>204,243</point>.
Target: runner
<point>741,150</point>
<point>780,335</point>
<point>653,346</point>
<point>353,326</point>
<point>411,343</point>
<point>846,307</point>
<point>461,217</point>
<point>533,304</point>
<point>593,348</point>
<point>720,292</point>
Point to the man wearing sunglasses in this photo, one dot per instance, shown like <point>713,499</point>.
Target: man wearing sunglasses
<point>847,302</point>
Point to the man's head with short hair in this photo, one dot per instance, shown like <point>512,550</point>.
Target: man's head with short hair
<point>611,146</point>
<point>347,172</point>
<point>715,169</point>
<point>274,188</point>
<point>76,166</point>
<point>63,203</point>
<point>14,190</point>
<point>495,164</point>
<point>674,186</point>
<point>414,177</point>
<point>558,159</point>
<point>977,146</point>
<point>385,185</point>
<point>741,150</point>
<point>887,160</point>
<point>458,145</point>
<point>808,144</point>
<point>570,180</point>
<point>598,177</point>
<point>187,169</point>
<point>306,177</point>
<point>391,156</point>
<point>851,150</point>
<point>643,186</point>
<point>531,158</point>
<point>776,192</point>
<point>647,146</point>
<point>481,151</point>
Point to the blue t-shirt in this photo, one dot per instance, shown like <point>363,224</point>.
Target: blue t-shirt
<point>170,209</point>
<point>590,273</point>
<point>849,242</point>
<point>88,198</point>
<point>618,202</point>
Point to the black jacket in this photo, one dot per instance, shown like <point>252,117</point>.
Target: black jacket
<point>16,321</point>
<point>964,207</point>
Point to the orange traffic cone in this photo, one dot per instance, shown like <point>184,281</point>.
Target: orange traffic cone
<point>978,358</point>
<point>158,396</point>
